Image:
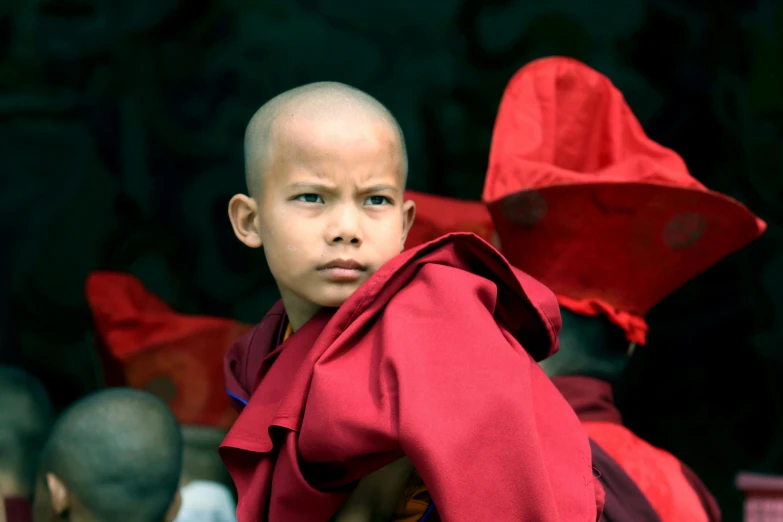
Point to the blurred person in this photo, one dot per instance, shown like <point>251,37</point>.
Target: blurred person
<point>113,456</point>
<point>178,357</point>
<point>26,415</point>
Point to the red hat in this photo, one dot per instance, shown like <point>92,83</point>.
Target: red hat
<point>585,202</point>
<point>437,216</point>
<point>178,357</point>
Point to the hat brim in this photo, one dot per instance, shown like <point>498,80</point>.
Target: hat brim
<point>175,356</point>
<point>187,373</point>
<point>626,244</point>
<point>438,215</point>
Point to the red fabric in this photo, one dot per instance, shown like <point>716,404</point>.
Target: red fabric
<point>178,357</point>
<point>634,326</point>
<point>426,359</point>
<point>674,491</point>
<point>242,366</point>
<point>600,497</point>
<point>708,502</point>
<point>623,500</point>
<point>437,216</point>
<point>657,472</point>
<point>18,509</point>
<point>592,399</point>
<point>586,203</point>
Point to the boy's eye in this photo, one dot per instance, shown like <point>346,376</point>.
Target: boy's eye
<point>378,200</point>
<point>309,198</point>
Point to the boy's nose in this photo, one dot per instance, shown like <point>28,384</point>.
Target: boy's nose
<point>345,228</point>
<point>352,240</point>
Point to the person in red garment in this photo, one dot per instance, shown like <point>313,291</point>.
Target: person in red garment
<point>145,344</point>
<point>26,416</point>
<point>373,355</point>
<point>574,178</point>
<point>178,357</point>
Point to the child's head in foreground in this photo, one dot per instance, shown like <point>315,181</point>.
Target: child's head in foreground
<point>326,169</point>
<point>114,456</point>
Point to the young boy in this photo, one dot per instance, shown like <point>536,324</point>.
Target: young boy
<point>26,415</point>
<point>113,456</point>
<point>371,355</point>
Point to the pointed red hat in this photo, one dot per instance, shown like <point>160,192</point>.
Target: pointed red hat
<point>585,202</point>
<point>175,356</point>
<point>437,216</point>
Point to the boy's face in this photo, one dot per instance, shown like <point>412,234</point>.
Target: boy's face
<point>330,210</point>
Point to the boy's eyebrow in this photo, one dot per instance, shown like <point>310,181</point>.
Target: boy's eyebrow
<point>311,186</point>
<point>323,186</point>
<point>381,188</point>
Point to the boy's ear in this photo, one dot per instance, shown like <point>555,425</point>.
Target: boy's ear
<point>243,213</point>
<point>408,216</point>
<point>60,496</point>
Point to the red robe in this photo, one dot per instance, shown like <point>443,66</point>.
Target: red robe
<point>426,359</point>
<point>674,491</point>
<point>623,500</point>
<point>17,509</point>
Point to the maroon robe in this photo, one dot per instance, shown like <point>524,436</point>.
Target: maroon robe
<point>426,359</point>
<point>623,500</point>
<point>18,509</point>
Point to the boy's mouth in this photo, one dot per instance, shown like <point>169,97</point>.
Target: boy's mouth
<point>342,270</point>
<point>345,264</point>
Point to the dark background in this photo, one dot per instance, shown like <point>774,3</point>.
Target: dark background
<point>121,141</point>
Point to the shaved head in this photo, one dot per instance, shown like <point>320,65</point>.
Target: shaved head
<point>26,416</point>
<point>326,171</point>
<point>312,103</point>
<point>119,452</point>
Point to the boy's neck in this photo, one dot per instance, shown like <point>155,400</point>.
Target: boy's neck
<point>298,310</point>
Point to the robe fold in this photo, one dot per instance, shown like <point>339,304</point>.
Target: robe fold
<point>434,357</point>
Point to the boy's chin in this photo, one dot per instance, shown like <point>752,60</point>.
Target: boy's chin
<point>335,297</point>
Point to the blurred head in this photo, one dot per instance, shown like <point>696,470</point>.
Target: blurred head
<point>590,346</point>
<point>26,416</point>
<point>114,456</point>
<point>326,168</point>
